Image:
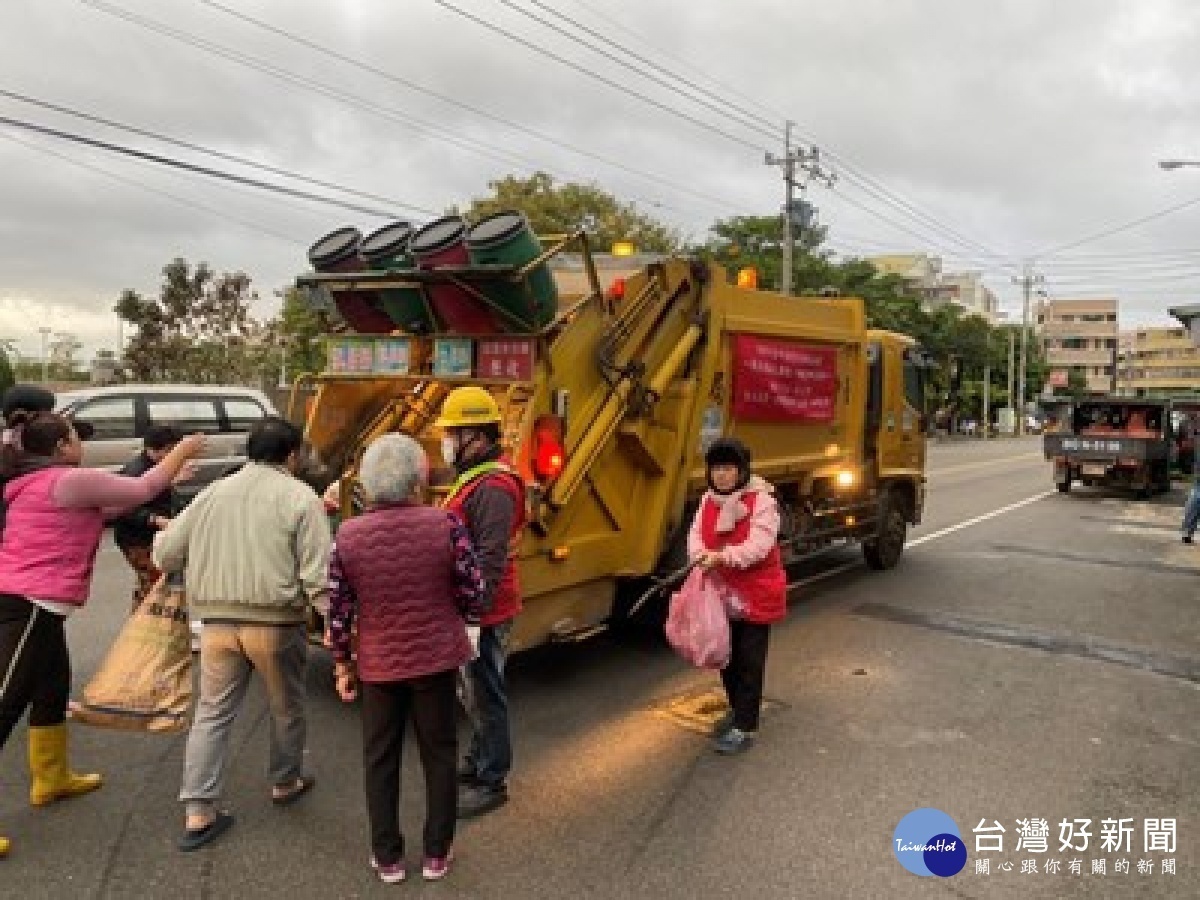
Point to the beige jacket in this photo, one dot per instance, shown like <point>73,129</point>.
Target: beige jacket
<point>253,547</point>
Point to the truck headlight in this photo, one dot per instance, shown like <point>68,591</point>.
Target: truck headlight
<point>845,479</point>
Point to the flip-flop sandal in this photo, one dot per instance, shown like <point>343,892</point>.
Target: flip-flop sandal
<point>195,838</point>
<point>304,784</point>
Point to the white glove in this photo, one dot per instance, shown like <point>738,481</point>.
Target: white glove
<point>473,637</point>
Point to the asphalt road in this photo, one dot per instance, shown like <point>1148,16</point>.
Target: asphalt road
<point>1034,656</point>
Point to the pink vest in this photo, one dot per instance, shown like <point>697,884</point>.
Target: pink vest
<point>46,551</point>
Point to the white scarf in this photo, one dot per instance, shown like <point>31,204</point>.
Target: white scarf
<point>731,508</point>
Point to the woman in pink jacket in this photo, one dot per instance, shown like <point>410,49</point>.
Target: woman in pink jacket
<point>735,535</point>
<point>52,516</point>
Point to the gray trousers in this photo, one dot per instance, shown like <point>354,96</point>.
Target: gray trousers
<point>229,653</point>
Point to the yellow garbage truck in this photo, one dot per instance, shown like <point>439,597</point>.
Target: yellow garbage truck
<point>610,402</point>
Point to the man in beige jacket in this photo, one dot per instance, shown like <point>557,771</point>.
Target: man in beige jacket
<point>254,550</point>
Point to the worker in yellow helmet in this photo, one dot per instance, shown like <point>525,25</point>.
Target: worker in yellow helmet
<point>489,497</point>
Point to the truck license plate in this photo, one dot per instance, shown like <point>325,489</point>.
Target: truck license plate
<point>1093,470</point>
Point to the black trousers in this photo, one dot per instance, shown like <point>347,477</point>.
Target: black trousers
<point>35,668</point>
<point>431,701</point>
<point>743,677</point>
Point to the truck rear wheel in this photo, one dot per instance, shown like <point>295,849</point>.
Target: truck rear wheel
<point>883,551</point>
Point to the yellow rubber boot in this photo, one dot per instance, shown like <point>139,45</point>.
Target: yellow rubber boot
<point>52,776</point>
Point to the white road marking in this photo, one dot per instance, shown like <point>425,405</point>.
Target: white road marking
<point>982,464</point>
<point>926,538</point>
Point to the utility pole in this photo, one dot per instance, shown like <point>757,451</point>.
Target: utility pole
<point>1027,280</point>
<point>1012,344</point>
<point>987,400</point>
<point>808,162</point>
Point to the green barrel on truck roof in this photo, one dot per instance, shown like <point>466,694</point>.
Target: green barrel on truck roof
<point>507,239</point>
<point>387,249</point>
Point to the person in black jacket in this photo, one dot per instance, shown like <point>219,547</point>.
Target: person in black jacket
<point>134,533</point>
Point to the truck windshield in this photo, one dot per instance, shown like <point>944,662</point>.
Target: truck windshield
<point>1118,418</point>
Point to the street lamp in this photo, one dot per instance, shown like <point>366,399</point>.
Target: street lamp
<point>1169,164</point>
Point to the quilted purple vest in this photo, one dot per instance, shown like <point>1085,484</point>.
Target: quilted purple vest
<point>399,563</point>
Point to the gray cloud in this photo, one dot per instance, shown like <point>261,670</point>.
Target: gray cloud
<point>1021,124</point>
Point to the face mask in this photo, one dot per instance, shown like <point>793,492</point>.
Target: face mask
<point>449,450</point>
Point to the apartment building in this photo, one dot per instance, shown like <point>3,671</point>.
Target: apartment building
<point>1159,361</point>
<point>922,271</point>
<point>925,277</point>
<point>967,291</point>
<point>1080,335</point>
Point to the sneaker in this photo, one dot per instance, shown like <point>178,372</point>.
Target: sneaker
<point>1187,538</point>
<point>734,741</point>
<point>435,868</point>
<point>479,799</point>
<point>393,874</point>
<point>722,724</point>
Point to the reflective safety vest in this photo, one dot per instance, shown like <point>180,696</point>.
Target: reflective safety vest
<point>506,601</point>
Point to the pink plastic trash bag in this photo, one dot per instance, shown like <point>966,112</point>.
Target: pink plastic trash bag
<point>697,625</point>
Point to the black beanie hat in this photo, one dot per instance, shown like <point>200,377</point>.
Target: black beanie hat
<point>729,452</point>
<point>28,397</point>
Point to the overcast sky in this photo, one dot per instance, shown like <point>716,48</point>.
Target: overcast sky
<point>983,132</point>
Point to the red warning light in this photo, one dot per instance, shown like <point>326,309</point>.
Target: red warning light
<point>548,464</point>
<point>549,457</point>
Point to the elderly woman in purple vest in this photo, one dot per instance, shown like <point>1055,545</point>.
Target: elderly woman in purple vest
<point>52,516</point>
<point>404,580</point>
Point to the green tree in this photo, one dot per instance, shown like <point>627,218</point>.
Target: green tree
<point>7,377</point>
<point>198,330</point>
<point>302,333</point>
<point>1077,383</point>
<point>560,208</point>
<point>757,242</point>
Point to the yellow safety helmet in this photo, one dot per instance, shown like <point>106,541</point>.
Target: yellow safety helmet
<point>466,407</point>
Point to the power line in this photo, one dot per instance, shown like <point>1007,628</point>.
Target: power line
<point>141,186</point>
<point>1130,254</point>
<point>197,148</point>
<point>864,182</point>
<point>902,227</point>
<point>310,84</point>
<point>872,186</point>
<point>656,44</point>
<point>317,87</point>
<point>196,169</point>
<point>1117,229</point>
<point>475,110</point>
<point>596,76</point>
<point>872,189</point>
<point>721,107</point>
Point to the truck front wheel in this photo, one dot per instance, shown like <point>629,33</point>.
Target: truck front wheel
<point>883,551</point>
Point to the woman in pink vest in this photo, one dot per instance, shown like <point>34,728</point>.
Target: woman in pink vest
<point>735,535</point>
<point>52,514</point>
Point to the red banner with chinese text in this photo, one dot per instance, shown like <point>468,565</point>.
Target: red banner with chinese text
<point>783,381</point>
<point>506,358</point>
